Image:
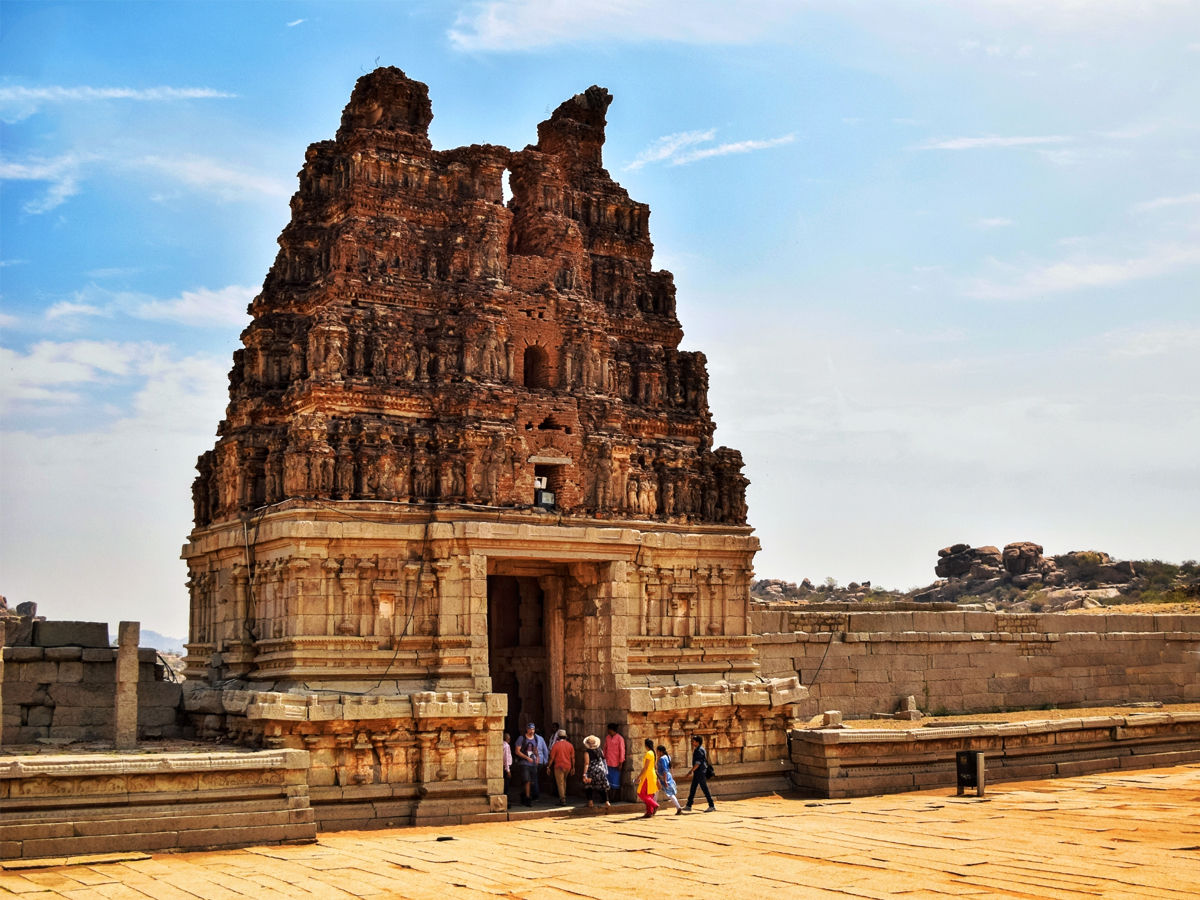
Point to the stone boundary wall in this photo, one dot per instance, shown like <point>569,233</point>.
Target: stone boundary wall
<point>964,662</point>
<point>77,804</point>
<point>864,762</point>
<point>59,682</point>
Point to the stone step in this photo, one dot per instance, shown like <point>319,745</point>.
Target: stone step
<point>81,804</point>
<point>164,820</point>
<point>174,805</point>
<point>199,839</point>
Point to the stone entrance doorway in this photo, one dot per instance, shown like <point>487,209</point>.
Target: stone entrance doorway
<point>527,642</point>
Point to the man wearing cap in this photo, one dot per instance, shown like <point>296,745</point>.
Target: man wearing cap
<point>562,763</point>
<point>531,755</point>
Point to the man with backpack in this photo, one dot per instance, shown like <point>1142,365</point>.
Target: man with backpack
<point>531,754</point>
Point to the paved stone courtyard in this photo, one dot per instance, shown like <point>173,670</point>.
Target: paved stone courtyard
<point>1134,834</point>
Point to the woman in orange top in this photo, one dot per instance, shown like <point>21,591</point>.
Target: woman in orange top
<point>647,784</point>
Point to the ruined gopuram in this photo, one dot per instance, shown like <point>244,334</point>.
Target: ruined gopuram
<point>466,479</point>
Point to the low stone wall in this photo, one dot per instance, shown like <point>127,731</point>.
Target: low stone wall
<point>68,805</point>
<point>861,762</point>
<point>59,684</point>
<point>959,662</point>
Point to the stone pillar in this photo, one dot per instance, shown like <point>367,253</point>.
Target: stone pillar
<point>126,713</point>
<point>553,623</point>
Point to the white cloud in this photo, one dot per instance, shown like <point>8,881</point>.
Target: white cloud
<point>993,142</point>
<point>62,172</point>
<point>673,148</point>
<point>996,222</point>
<point>212,175</point>
<point>113,498</point>
<point>7,321</point>
<point>66,309</point>
<point>522,25</point>
<point>1164,202</point>
<point>18,102</point>
<point>203,306</point>
<point>295,22</point>
<point>1073,275</point>
<point>516,25</point>
<point>113,272</point>
<point>66,173</point>
<point>667,146</point>
<point>52,371</point>
<point>735,147</point>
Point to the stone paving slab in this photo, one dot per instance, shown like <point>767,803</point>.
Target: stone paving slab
<point>1110,835</point>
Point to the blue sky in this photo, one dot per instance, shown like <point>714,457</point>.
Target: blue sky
<point>943,257</point>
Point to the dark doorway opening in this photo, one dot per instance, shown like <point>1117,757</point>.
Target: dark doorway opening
<point>536,364</point>
<point>517,649</point>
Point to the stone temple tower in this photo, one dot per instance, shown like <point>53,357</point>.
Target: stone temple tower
<point>466,479</point>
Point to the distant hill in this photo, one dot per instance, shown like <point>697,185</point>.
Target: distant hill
<point>161,642</point>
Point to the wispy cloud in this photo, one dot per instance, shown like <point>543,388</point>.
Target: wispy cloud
<point>684,147</point>
<point>68,310</point>
<point>994,142</point>
<point>520,25</point>
<point>113,272</point>
<point>667,146</point>
<point>53,371</point>
<point>63,173</point>
<point>1165,202</point>
<point>735,147</point>
<point>211,175</point>
<point>19,102</point>
<point>997,222</point>
<point>1073,275</point>
<point>295,22</point>
<point>203,307</point>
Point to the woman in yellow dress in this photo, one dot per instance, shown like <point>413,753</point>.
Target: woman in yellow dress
<point>647,784</point>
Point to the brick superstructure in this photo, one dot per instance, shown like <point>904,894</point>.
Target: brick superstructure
<point>466,475</point>
<point>420,340</point>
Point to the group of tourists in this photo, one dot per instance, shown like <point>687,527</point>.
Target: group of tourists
<point>527,757</point>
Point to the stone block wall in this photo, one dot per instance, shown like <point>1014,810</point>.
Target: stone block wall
<point>862,762</point>
<point>71,804</point>
<point>961,662</point>
<point>60,682</point>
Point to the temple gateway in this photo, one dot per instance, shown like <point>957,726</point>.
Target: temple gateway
<point>466,479</point>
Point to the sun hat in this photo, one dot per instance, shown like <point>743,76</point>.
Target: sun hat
<point>562,733</point>
<point>591,742</point>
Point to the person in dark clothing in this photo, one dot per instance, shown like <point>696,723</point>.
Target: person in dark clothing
<point>699,774</point>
